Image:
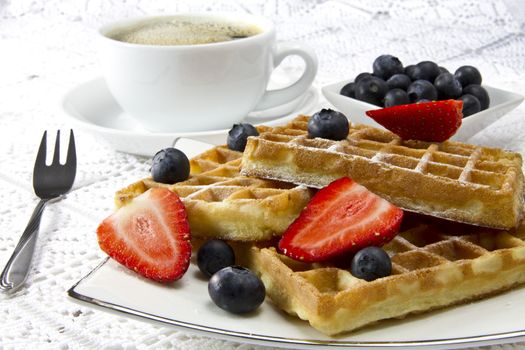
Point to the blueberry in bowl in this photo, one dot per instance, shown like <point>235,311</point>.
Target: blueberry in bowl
<point>468,75</point>
<point>426,70</point>
<point>396,97</point>
<point>480,93</point>
<point>471,105</point>
<point>371,90</point>
<point>422,89</point>
<point>385,66</point>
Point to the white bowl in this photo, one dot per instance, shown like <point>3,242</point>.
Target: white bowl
<point>501,102</point>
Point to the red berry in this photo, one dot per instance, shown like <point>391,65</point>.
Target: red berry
<point>428,121</point>
<point>150,235</point>
<point>343,217</point>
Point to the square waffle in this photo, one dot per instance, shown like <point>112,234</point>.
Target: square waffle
<point>435,263</point>
<point>221,203</point>
<point>452,180</point>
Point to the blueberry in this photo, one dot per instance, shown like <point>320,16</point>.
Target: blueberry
<point>213,256</point>
<point>400,81</point>
<point>396,97</point>
<point>387,65</point>
<point>423,100</point>
<point>361,76</point>
<point>328,124</point>
<point>443,70</point>
<point>236,289</point>
<point>371,263</point>
<point>348,90</point>
<point>447,86</point>
<point>426,70</point>
<point>238,136</point>
<point>421,89</point>
<point>169,166</point>
<point>471,105</point>
<point>371,90</point>
<point>481,94</point>
<point>409,70</point>
<point>468,75</point>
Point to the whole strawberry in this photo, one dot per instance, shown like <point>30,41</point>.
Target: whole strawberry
<point>435,121</point>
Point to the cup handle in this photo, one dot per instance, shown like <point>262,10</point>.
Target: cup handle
<point>273,98</point>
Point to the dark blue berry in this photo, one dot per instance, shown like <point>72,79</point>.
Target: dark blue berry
<point>387,65</point>
<point>471,105</point>
<point>328,124</point>
<point>409,70</point>
<point>371,263</point>
<point>361,76</point>
<point>426,70</point>
<point>371,90</point>
<point>348,90</point>
<point>443,70</point>
<point>396,97</point>
<point>447,86</point>
<point>399,81</point>
<point>213,256</point>
<point>236,289</point>
<point>421,89</point>
<point>468,75</point>
<point>169,166</point>
<point>481,94</point>
<point>423,100</point>
<point>238,136</point>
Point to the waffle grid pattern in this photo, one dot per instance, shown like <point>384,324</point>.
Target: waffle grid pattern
<point>408,173</point>
<point>434,264</point>
<point>223,204</point>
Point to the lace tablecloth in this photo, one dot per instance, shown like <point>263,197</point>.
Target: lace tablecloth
<point>47,47</point>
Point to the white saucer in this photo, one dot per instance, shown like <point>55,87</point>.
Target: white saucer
<point>91,106</point>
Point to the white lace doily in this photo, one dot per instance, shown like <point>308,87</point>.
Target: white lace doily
<point>48,47</point>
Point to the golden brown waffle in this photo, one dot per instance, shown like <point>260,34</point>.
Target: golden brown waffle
<point>435,264</point>
<point>452,180</point>
<point>223,204</point>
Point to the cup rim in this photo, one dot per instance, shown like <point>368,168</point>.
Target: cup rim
<point>266,25</point>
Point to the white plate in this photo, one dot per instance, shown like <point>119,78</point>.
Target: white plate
<point>501,102</point>
<point>91,106</point>
<point>185,304</point>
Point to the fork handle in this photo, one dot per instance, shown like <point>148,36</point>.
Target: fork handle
<point>17,268</point>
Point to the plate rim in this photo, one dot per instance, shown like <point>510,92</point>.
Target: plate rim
<point>260,339</point>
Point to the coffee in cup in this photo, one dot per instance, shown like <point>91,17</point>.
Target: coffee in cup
<point>197,72</point>
<point>184,31</point>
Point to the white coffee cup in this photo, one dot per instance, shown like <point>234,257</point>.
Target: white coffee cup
<point>182,88</point>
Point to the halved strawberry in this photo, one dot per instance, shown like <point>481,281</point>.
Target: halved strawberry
<point>149,235</point>
<point>343,217</point>
<point>426,121</point>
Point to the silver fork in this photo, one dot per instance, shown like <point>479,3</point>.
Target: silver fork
<point>49,182</point>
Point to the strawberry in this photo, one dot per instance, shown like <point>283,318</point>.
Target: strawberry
<point>343,217</point>
<point>426,121</point>
<point>149,235</point>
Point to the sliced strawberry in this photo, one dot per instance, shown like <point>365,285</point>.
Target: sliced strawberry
<point>343,217</point>
<point>426,121</point>
<point>149,235</point>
